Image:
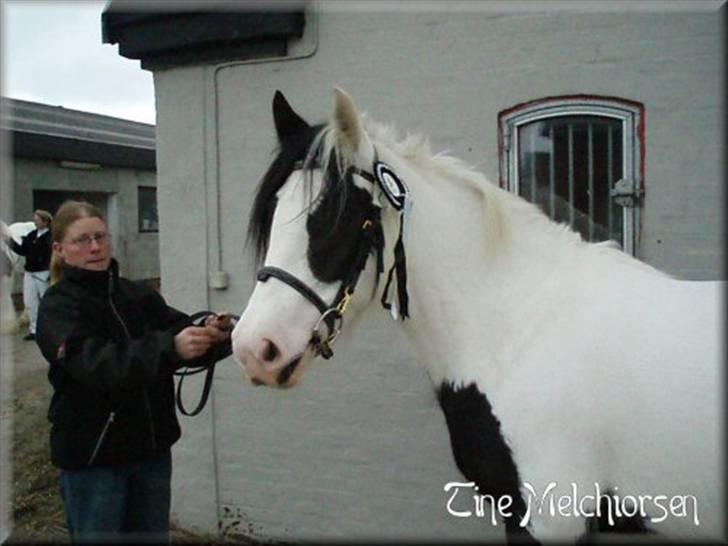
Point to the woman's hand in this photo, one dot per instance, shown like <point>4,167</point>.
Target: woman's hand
<point>222,322</point>
<point>195,341</point>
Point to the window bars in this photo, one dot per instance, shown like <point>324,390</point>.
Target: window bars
<point>579,160</point>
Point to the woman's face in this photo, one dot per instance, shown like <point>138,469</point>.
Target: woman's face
<point>86,244</point>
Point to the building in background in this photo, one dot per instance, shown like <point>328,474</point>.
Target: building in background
<point>60,154</point>
<point>612,120</point>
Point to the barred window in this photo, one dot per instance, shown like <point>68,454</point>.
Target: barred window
<point>579,159</point>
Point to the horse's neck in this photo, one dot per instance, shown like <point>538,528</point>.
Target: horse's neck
<point>477,265</point>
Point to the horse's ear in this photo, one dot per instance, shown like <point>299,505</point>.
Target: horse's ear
<point>287,122</point>
<point>346,121</point>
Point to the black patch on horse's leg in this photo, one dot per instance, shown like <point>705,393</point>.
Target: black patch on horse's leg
<point>515,534</point>
<point>596,525</point>
<point>481,452</point>
<point>622,524</point>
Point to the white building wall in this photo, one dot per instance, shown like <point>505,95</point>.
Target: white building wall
<point>360,450</point>
<point>181,160</point>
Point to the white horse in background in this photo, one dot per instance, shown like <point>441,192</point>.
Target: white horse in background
<point>563,368</point>
<point>9,321</point>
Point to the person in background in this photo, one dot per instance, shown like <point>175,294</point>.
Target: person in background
<point>113,346</point>
<point>36,248</point>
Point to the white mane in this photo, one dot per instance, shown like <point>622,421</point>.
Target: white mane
<point>501,207</point>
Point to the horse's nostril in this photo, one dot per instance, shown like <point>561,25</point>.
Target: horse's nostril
<point>270,351</point>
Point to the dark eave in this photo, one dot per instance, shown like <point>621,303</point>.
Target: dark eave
<point>162,36</point>
<point>53,148</point>
<point>41,131</point>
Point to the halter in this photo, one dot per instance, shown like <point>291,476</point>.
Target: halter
<point>371,238</point>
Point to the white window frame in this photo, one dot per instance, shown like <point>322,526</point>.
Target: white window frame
<point>629,113</point>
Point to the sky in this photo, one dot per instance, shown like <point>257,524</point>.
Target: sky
<point>52,53</point>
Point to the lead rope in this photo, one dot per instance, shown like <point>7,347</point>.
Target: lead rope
<point>193,370</point>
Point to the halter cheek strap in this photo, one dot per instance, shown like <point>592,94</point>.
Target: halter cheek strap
<point>264,273</point>
<point>329,315</point>
<point>371,239</point>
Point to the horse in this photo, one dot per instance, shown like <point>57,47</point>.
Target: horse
<point>568,372</point>
<point>10,260</point>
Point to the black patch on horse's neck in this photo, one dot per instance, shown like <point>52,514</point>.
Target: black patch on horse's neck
<point>292,149</point>
<point>481,452</point>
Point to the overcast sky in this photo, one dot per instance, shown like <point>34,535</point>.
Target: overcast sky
<point>52,53</point>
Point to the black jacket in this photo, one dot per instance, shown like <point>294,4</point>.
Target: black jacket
<point>110,346</point>
<point>37,250</point>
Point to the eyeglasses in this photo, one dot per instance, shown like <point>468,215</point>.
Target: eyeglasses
<point>99,237</point>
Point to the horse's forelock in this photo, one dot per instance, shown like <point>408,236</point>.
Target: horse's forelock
<point>297,148</point>
<point>324,155</point>
<point>335,163</point>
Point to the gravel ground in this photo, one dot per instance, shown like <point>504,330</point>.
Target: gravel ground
<point>37,511</point>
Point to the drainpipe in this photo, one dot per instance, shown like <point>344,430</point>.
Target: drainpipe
<point>219,278</point>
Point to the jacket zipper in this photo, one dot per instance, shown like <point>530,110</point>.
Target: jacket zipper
<point>147,405</point>
<point>101,438</point>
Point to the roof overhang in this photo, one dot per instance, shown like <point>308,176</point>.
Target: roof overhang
<point>163,36</point>
<point>42,131</point>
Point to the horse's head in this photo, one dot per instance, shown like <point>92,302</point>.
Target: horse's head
<point>317,220</point>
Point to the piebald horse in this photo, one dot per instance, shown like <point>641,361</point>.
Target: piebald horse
<point>565,369</point>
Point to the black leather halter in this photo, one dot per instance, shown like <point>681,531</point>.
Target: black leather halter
<point>264,273</point>
<point>371,239</point>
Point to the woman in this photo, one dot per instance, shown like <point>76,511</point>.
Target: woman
<point>113,346</point>
<point>36,247</point>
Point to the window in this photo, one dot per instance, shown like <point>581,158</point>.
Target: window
<point>148,219</point>
<point>580,160</point>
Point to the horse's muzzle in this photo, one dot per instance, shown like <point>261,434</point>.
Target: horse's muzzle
<point>259,372</point>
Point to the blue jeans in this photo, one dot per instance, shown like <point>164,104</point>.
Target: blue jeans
<point>119,503</point>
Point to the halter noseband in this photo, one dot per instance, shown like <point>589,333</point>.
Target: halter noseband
<point>371,238</point>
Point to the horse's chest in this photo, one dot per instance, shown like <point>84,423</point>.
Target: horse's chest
<point>479,447</point>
